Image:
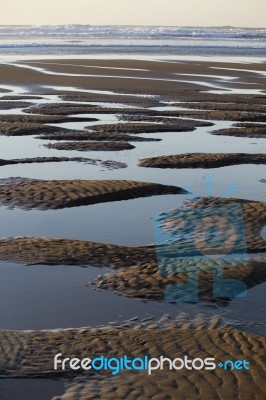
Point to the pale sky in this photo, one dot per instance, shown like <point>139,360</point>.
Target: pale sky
<point>250,13</point>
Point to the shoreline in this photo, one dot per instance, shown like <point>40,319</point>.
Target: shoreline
<point>163,75</point>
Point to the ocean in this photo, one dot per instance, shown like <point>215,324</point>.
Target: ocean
<point>125,40</point>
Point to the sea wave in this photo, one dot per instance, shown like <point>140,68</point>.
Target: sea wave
<point>132,32</point>
<point>97,39</point>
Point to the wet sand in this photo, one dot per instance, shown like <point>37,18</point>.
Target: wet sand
<point>39,160</point>
<point>30,354</point>
<point>27,193</point>
<point>151,81</point>
<point>164,97</point>
<point>93,145</point>
<point>203,160</point>
<point>243,131</point>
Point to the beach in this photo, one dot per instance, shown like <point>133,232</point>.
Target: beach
<point>100,159</point>
<point>141,76</point>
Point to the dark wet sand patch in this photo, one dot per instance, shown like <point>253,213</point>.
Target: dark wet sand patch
<point>42,119</point>
<point>194,96</point>
<point>137,101</point>
<point>29,128</point>
<point>180,124</point>
<point>92,145</point>
<point>24,128</point>
<point>243,131</point>
<point>41,160</point>
<point>31,354</point>
<point>56,194</point>
<point>202,160</point>
<point>22,97</point>
<point>72,109</point>
<point>61,109</point>
<point>9,105</point>
<point>49,251</point>
<point>253,216</point>
<point>109,164</point>
<point>99,136</point>
<point>217,115</point>
<point>150,282</point>
<point>249,125</point>
<point>215,106</point>
<point>5,90</point>
<point>136,128</point>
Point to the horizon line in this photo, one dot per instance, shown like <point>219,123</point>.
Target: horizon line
<point>148,25</point>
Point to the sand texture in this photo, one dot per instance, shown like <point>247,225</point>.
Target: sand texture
<point>243,131</point>
<point>9,105</point>
<point>215,106</point>
<point>146,281</point>
<point>72,109</point>
<point>42,119</point>
<point>29,193</point>
<point>181,125</point>
<point>217,115</point>
<point>37,160</point>
<point>72,252</point>
<point>30,354</point>
<point>99,136</point>
<point>171,126</point>
<point>202,160</point>
<point>92,145</point>
<point>252,216</point>
<point>22,129</point>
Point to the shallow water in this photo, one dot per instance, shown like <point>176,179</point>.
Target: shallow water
<point>127,222</point>
<point>50,297</point>
<point>255,71</point>
<point>250,311</point>
<point>57,297</point>
<point>214,77</point>
<point>236,91</point>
